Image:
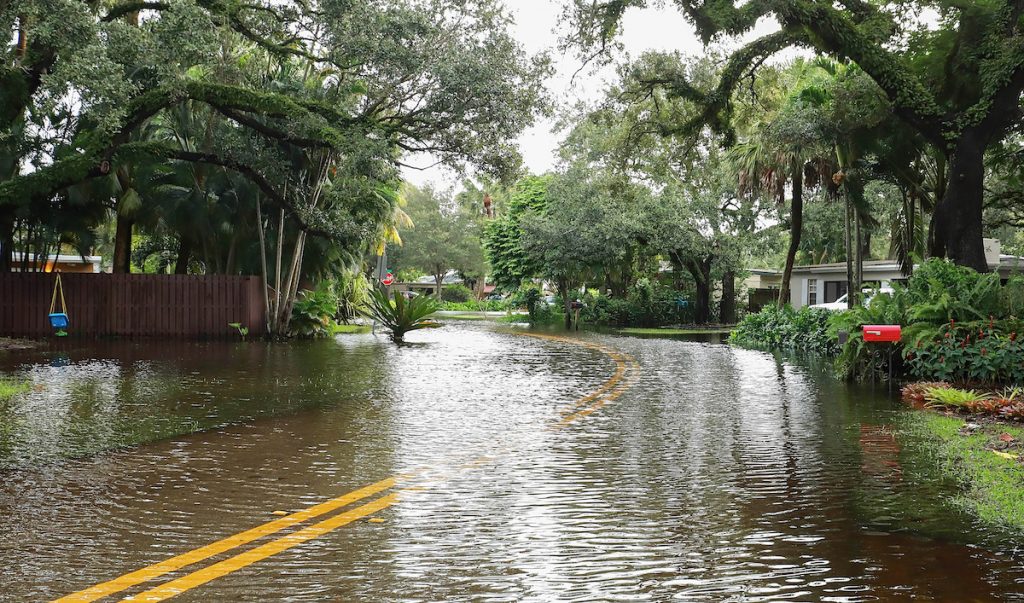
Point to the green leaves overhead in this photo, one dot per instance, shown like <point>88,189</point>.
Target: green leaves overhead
<point>371,80</point>
<point>955,80</point>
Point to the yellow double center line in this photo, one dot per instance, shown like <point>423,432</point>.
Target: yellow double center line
<point>608,391</point>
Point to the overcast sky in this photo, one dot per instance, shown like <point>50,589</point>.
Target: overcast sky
<point>537,24</point>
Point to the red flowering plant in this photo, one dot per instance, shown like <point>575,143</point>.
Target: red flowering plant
<point>986,352</point>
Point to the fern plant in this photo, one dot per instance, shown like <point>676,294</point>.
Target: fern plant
<point>950,396</point>
<point>401,315</point>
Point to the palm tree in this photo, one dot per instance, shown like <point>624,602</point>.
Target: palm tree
<point>767,163</point>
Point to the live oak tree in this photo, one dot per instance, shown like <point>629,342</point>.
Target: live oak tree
<point>368,83</point>
<point>587,227</point>
<point>957,84</point>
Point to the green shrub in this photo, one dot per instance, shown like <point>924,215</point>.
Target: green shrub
<point>647,304</point>
<point>474,306</point>
<point>314,311</point>
<point>531,298</point>
<point>456,293</point>
<point>774,328</point>
<point>1012,299</point>
<point>940,291</point>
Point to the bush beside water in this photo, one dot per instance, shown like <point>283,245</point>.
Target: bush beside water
<point>958,325</point>
<point>774,328</point>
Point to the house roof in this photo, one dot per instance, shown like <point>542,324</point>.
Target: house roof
<point>63,258</point>
<point>873,266</point>
<point>869,266</point>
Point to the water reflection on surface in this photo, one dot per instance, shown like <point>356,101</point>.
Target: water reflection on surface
<point>721,475</point>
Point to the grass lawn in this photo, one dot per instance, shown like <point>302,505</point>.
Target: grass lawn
<point>670,331</point>
<point>986,460</point>
<point>349,329</point>
<point>10,388</point>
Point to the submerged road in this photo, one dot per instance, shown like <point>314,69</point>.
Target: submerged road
<point>477,463</point>
<point>394,487</point>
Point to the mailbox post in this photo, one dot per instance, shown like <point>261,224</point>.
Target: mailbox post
<point>889,334</point>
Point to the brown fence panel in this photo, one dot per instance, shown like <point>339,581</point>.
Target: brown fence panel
<point>133,305</point>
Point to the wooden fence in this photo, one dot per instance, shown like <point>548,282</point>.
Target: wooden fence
<point>133,305</point>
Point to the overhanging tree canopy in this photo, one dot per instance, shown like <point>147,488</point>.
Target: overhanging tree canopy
<point>958,84</point>
<point>79,80</point>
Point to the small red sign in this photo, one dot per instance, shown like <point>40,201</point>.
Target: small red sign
<point>388,279</point>
<point>882,333</point>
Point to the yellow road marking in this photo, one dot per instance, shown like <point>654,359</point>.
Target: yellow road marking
<point>620,368</point>
<point>232,564</point>
<point>175,563</point>
<point>618,384</point>
<point>566,420</point>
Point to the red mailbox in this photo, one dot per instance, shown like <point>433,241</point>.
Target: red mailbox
<point>882,333</point>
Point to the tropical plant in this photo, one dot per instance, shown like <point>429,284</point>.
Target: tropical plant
<point>353,289</point>
<point>400,315</point>
<point>314,311</point>
<point>951,396</point>
<point>916,393</point>
<point>982,352</point>
<point>243,331</point>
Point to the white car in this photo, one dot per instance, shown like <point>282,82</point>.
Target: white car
<point>841,303</point>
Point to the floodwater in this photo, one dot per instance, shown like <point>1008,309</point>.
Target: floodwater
<point>593,468</point>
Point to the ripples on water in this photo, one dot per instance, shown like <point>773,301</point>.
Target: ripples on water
<point>722,475</point>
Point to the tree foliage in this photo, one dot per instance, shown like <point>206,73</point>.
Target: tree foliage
<point>957,85</point>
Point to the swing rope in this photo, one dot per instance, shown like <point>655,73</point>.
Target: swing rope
<point>58,286</point>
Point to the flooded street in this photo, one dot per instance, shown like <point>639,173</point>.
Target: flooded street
<point>500,466</point>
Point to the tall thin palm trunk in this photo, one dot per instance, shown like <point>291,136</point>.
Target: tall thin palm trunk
<point>795,228</point>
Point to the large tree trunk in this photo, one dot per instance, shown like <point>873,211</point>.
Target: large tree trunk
<point>957,222</point>
<point>848,219</point>
<point>563,291</point>
<point>701,272</point>
<point>439,280</point>
<point>796,226</point>
<point>184,256</point>
<point>123,246</point>
<point>6,244</point>
<point>727,309</point>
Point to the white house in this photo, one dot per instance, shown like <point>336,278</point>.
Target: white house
<point>55,262</point>
<point>824,283</point>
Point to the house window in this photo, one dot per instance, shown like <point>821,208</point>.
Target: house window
<point>812,291</point>
<point>834,290</point>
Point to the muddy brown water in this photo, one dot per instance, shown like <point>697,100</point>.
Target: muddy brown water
<point>721,474</point>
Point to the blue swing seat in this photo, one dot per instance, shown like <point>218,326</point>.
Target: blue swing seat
<point>59,320</point>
